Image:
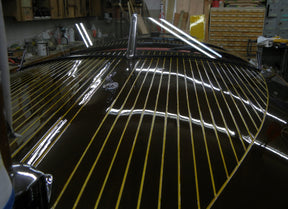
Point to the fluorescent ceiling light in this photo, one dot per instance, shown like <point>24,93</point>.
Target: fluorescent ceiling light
<point>191,38</point>
<point>86,34</point>
<point>181,38</point>
<point>82,36</point>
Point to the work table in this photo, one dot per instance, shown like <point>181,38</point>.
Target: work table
<point>62,50</point>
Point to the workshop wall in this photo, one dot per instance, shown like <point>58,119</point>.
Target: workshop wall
<point>153,7</point>
<point>18,32</point>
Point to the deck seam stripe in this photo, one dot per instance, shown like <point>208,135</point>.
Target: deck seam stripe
<point>72,82</point>
<point>223,118</point>
<point>13,155</point>
<point>150,139</point>
<point>26,78</point>
<point>178,137</point>
<point>245,154</point>
<point>243,83</point>
<point>137,133</point>
<point>241,100</point>
<point>103,147</point>
<point>92,139</point>
<point>42,115</point>
<point>47,133</point>
<point>164,139</point>
<point>203,131</point>
<point>192,139</point>
<point>231,114</point>
<point>39,95</point>
<point>75,115</point>
<point>251,86</point>
<point>228,107</point>
<point>253,81</point>
<point>230,93</point>
<point>33,85</point>
<point>213,121</point>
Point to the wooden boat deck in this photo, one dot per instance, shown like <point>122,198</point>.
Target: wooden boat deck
<point>159,132</point>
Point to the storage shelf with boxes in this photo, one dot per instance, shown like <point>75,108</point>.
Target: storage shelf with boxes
<point>232,28</point>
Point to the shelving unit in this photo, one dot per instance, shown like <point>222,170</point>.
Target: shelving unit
<point>27,10</point>
<point>231,28</point>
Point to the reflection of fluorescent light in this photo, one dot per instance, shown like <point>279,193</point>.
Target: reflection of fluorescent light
<point>90,93</point>
<point>273,116</point>
<point>179,75</point>
<point>216,89</point>
<point>272,149</point>
<point>86,34</point>
<point>182,39</point>
<point>46,141</point>
<point>257,108</point>
<point>94,86</point>
<point>74,69</point>
<point>29,175</point>
<point>247,139</point>
<point>199,21</point>
<point>79,30</point>
<point>32,176</point>
<point>170,115</point>
<point>191,38</point>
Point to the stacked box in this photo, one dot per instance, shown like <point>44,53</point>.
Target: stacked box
<point>244,3</point>
<point>231,28</point>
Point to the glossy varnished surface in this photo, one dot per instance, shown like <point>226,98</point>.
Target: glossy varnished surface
<point>156,132</point>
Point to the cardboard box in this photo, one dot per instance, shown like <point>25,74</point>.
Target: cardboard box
<point>27,13</point>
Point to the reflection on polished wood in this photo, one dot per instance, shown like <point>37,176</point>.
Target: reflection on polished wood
<point>161,131</point>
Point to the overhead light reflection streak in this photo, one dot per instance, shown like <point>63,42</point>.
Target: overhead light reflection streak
<point>179,75</point>
<point>94,85</point>
<point>74,69</point>
<point>267,147</point>
<point>93,88</point>
<point>272,149</point>
<point>181,38</point>
<point>216,89</point>
<point>247,139</point>
<point>86,34</point>
<point>170,115</point>
<point>191,38</point>
<point>48,138</point>
<point>82,36</point>
<point>30,175</point>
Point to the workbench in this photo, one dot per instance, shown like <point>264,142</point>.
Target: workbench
<point>63,50</point>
